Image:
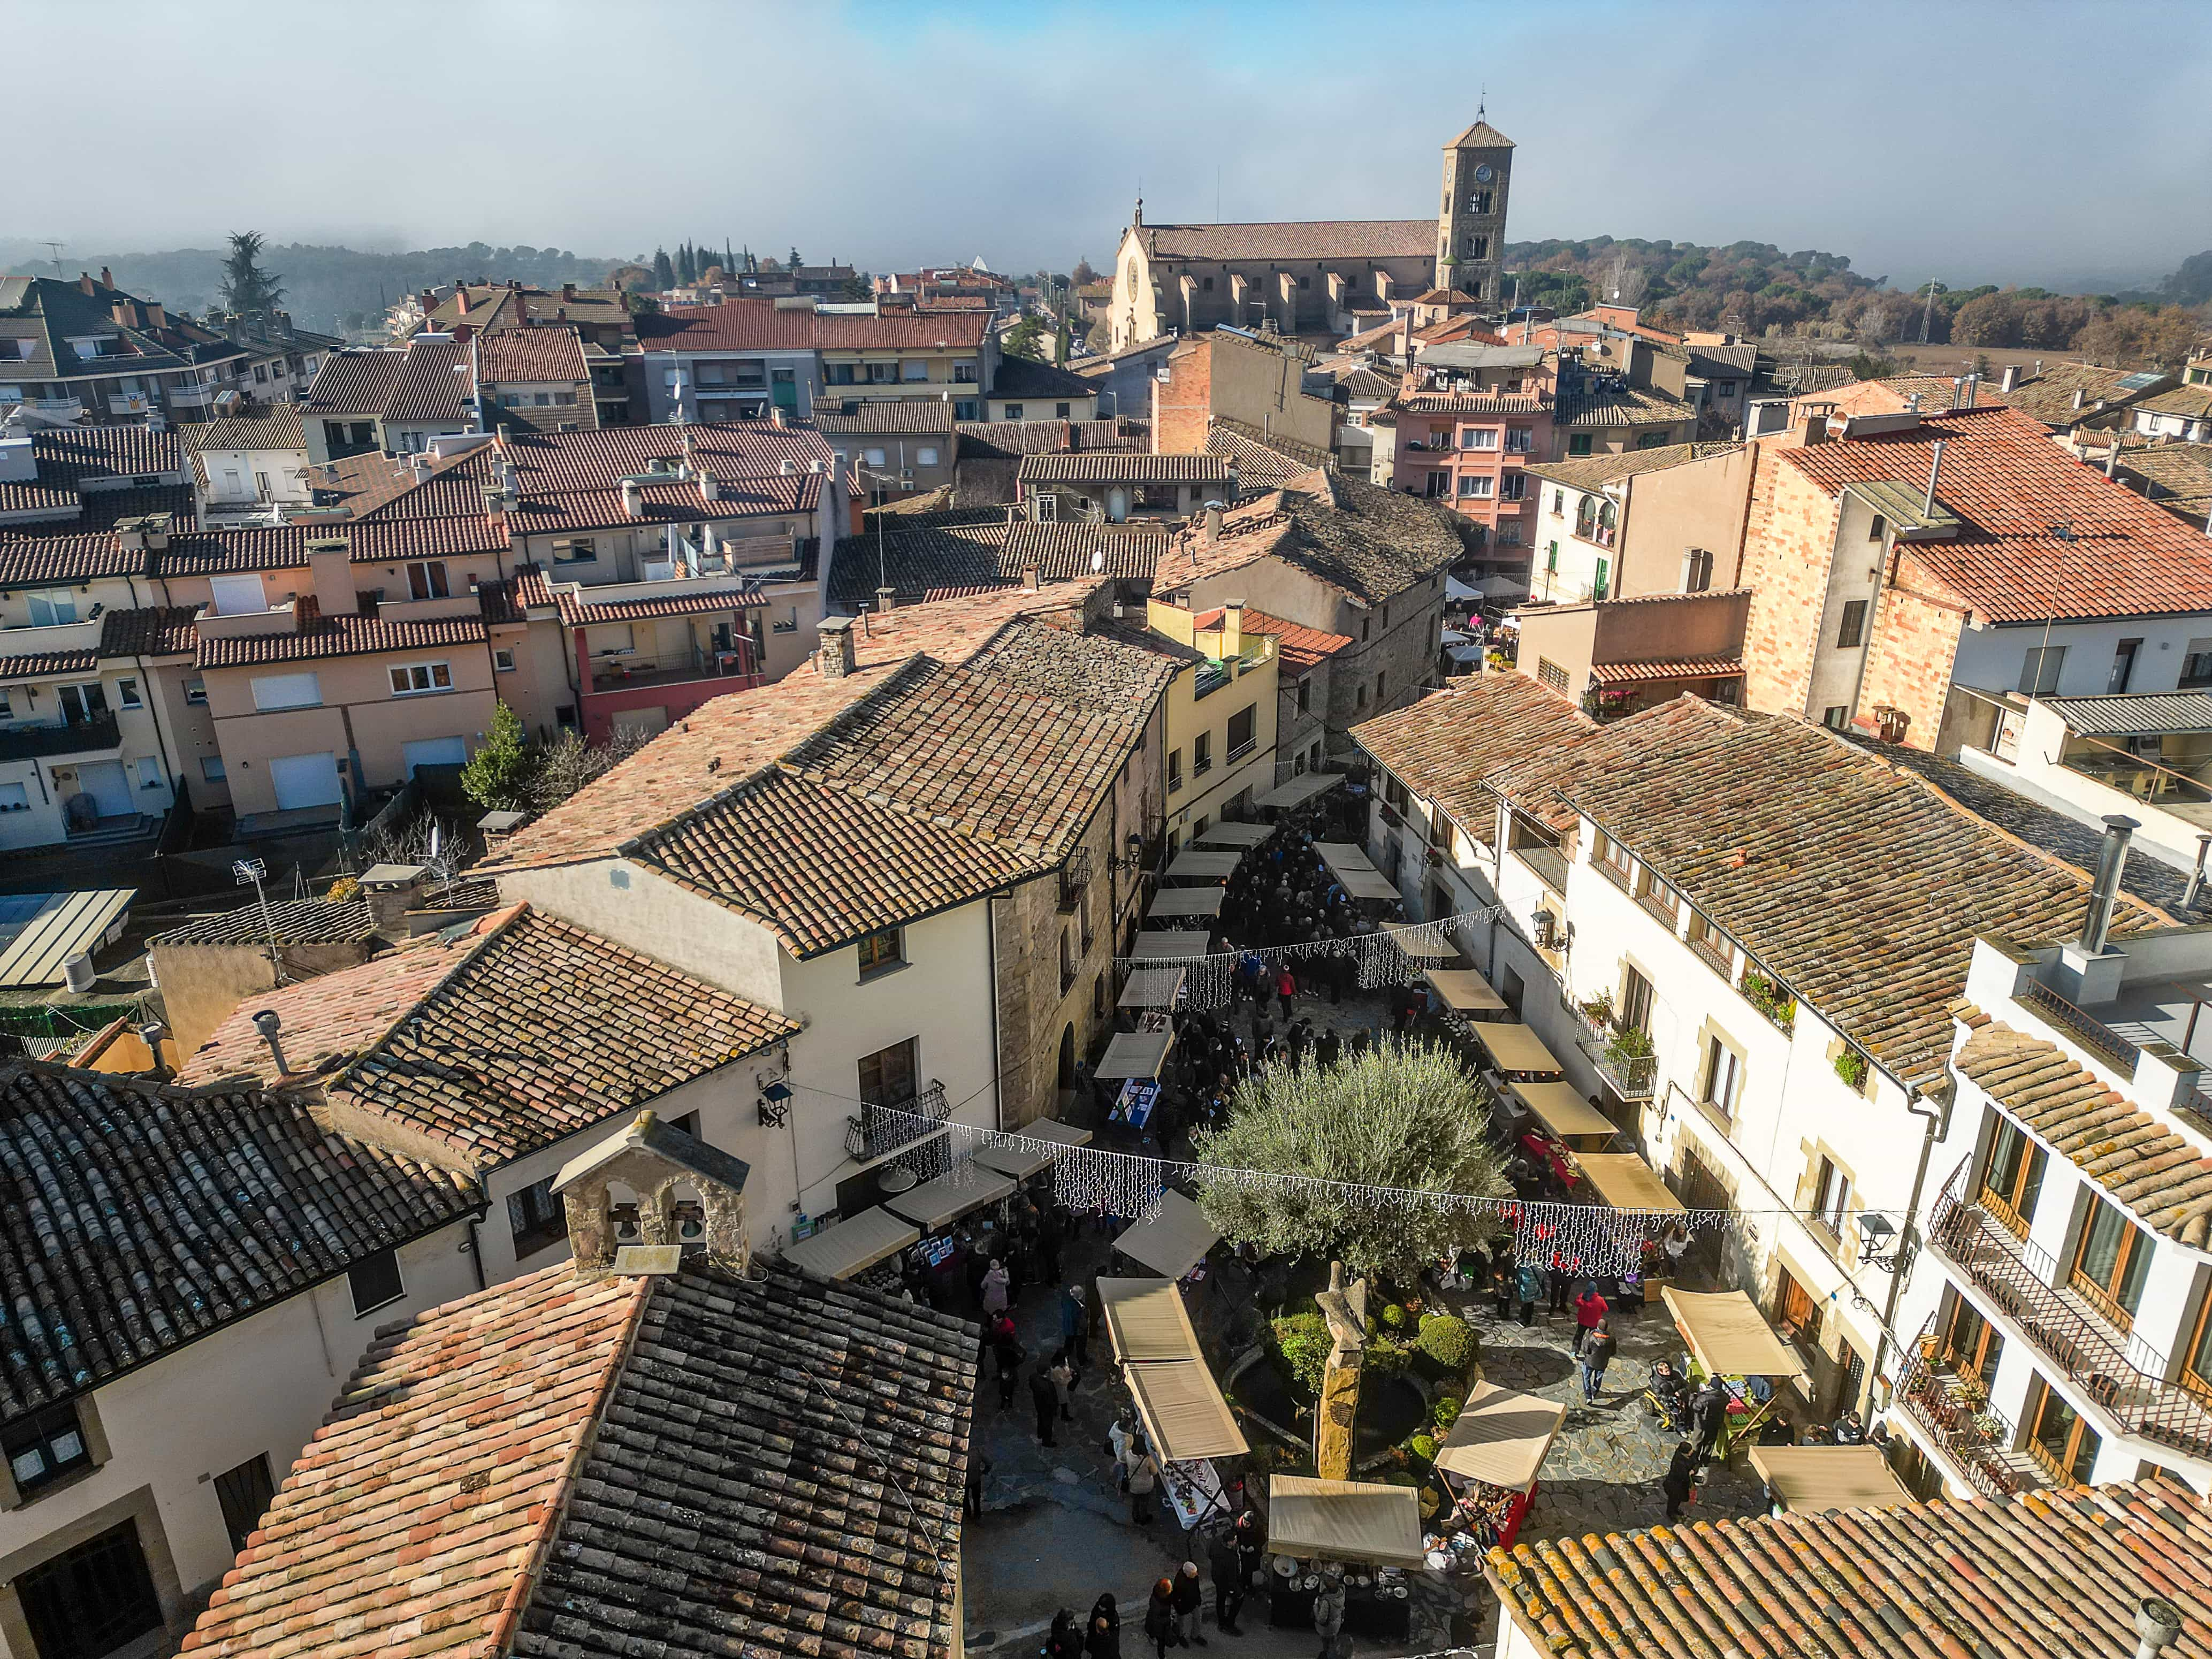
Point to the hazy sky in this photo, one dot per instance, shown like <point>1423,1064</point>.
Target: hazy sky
<point>2035,140</point>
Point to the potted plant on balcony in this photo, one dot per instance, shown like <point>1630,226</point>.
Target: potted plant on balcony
<point>1627,1046</point>
<point>1771,998</point>
<point>1851,1066</point>
<point>1597,1011</point>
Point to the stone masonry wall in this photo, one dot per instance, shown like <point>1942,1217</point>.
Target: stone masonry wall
<point>1788,547</point>
<point>1910,651</point>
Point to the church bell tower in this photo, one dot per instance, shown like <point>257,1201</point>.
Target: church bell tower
<point>1471,223</point>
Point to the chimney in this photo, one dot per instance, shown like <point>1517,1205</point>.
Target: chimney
<point>567,291</point>
<point>2077,397</point>
<point>124,313</point>
<point>155,315</point>
<point>420,461</point>
<point>838,655</point>
<point>498,828</point>
<point>2011,380</point>
<point>2158,1626</point>
<point>1029,577</point>
<point>2111,860</point>
<point>777,417</point>
<point>461,298</point>
<point>633,499</point>
<point>429,299</point>
<point>1232,630</point>
<point>710,487</point>
<point>886,601</point>
<point>268,1022</point>
<point>1958,390</point>
<point>390,891</point>
<point>106,277</point>
<point>1973,388</point>
<point>1212,522</point>
<point>1935,474</point>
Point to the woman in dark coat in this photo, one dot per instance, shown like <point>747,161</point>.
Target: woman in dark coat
<point>1102,1637</point>
<point>1160,1628</point>
<point>1680,1476</point>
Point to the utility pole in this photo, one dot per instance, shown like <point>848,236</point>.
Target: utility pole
<point>56,248</point>
<point>1927,312</point>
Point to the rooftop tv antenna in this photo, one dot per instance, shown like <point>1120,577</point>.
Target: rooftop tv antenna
<point>56,248</point>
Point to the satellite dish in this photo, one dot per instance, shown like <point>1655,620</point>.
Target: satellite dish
<point>1097,560</point>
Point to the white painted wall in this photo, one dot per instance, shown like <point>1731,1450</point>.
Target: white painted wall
<point>1992,658</point>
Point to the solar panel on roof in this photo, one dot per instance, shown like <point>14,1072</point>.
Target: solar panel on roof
<point>2138,380</point>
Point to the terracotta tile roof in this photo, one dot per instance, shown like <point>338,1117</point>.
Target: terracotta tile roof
<point>1259,467</point>
<point>2139,1160</point>
<point>1814,836</point>
<point>354,382</point>
<point>1619,405</point>
<point>150,631</point>
<point>338,636</point>
<point>1472,403</point>
<point>2009,484</point>
<point>733,325</point>
<point>598,1466</point>
<point>2195,401</point>
<point>989,554</point>
<point>1016,437</point>
<point>1117,467</point>
<point>494,306</point>
<point>1310,239</point>
<point>853,417</point>
<point>2177,478</point>
<point>32,664</point>
<point>530,354</point>
<point>434,382</point>
<point>2049,398</point>
<point>1442,747</point>
<point>579,610</point>
<point>73,463</point>
<point>958,330</point>
<point>1368,543</point>
<point>136,1218</point>
<point>2052,1575</point>
<point>370,540</point>
<point>602,459</point>
<point>294,921</point>
<point>1596,472</point>
<point>525,1031</point>
<point>1671,668</point>
<point>40,560</point>
<point>276,427</point>
<point>1297,649</point>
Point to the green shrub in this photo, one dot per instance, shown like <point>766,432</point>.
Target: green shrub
<point>1386,1359</point>
<point>1851,1066</point>
<point>1393,1316</point>
<point>1447,1410</point>
<point>1424,1447</point>
<point>1449,1341</point>
<point>1304,1343</point>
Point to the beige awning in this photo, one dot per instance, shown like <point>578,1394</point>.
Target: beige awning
<point>1016,1163</point>
<point>1560,1108</point>
<point>1501,1437</point>
<point>1420,942</point>
<point>1146,1320</point>
<point>1133,1054</point>
<point>853,1245</point>
<point>1051,1128</point>
<point>1184,1415</point>
<point>1173,1242</point>
<point>1627,1183</point>
<point>1299,790</point>
<point>1345,858</point>
<point>1728,1336</point>
<point>1168,944</point>
<point>1152,988</point>
<point>934,1203</point>
<point>1186,901</point>
<point>1203,866</point>
<point>1464,990</point>
<point>1816,1478</point>
<point>1515,1048</point>
<point>1345,1521</point>
<point>1234,835</point>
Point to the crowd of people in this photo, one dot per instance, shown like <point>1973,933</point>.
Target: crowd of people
<point>1236,1552</point>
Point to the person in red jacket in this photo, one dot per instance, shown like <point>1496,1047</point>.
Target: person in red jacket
<point>1589,1308</point>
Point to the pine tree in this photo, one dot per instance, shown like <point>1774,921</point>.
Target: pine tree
<point>664,273</point>
<point>498,775</point>
<point>246,289</point>
<point>687,269</point>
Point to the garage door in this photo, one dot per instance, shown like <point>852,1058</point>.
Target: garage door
<point>108,784</point>
<point>305,781</point>
<point>434,751</point>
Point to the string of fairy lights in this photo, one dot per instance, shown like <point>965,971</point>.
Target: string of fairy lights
<point>1391,954</point>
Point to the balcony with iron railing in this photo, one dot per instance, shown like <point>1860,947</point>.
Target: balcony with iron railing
<point>2084,1027</point>
<point>1953,1413</point>
<point>1549,863</point>
<point>877,1132</point>
<point>634,669</point>
<point>1612,1048</point>
<point>1074,877</point>
<point>2122,1374</point>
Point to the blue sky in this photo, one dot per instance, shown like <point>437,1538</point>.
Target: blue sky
<point>2039,141</point>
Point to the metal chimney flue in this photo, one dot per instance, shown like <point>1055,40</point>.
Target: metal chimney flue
<point>2158,1626</point>
<point>268,1022</point>
<point>1935,474</point>
<point>2111,860</point>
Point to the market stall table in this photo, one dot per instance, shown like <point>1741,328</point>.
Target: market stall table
<point>1152,988</point>
<point>1168,944</point>
<point>1569,1119</point>
<point>854,1244</point>
<point>1516,1049</point>
<point>1812,1479</point>
<point>1133,1054</point>
<point>1194,865</point>
<point>1298,791</point>
<point>1498,1445</point>
<point>1464,991</point>
<point>936,1204</point>
<point>1179,902</point>
<point>1230,833</point>
<point>1173,1242</point>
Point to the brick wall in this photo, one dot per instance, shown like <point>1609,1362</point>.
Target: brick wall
<point>1910,647</point>
<point>1182,402</point>
<point>1787,546</point>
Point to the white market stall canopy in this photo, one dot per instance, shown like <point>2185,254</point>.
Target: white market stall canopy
<point>1051,1128</point>
<point>1172,1243</point>
<point>1626,1182</point>
<point>934,1203</point>
<point>1501,1437</point>
<point>1420,943</point>
<point>39,932</point>
<point>1344,1521</point>
<point>1298,791</point>
<point>1728,1335</point>
<point>1562,1110</point>
<point>1464,991</point>
<point>1186,901</point>
<point>1182,1406</point>
<point>1515,1048</point>
<point>1168,944</point>
<point>1227,834</point>
<point>854,1244</point>
<point>1145,1320</point>
<point>1813,1479</point>
<point>1152,988</point>
<point>1024,1161</point>
<point>1203,866</point>
<point>1133,1054</point>
<point>1354,871</point>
